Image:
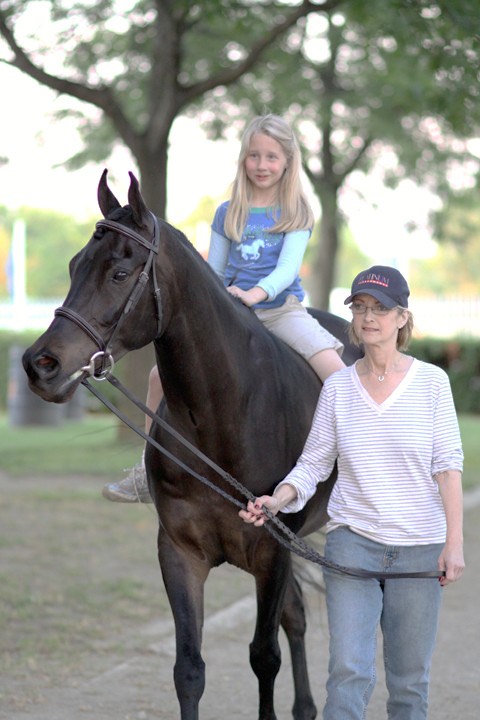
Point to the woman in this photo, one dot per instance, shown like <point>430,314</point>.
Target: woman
<point>390,423</point>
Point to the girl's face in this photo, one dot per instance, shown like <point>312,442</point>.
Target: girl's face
<point>265,165</point>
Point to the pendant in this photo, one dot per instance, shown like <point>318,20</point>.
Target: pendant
<point>380,378</point>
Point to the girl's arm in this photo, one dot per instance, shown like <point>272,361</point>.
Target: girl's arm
<point>288,265</point>
<point>218,253</point>
<point>287,269</point>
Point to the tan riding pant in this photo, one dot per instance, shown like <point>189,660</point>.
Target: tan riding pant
<point>295,326</point>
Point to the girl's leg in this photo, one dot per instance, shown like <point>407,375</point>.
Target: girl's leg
<point>326,362</point>
<point>154,395</point>
<point>295,326</point>
<point>134,487</point>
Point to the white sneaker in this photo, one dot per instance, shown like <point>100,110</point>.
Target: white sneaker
<point>132,489</point>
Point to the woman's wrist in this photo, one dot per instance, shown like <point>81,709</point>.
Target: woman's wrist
<point>284,494</point>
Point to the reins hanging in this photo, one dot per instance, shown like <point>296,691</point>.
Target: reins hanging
<point>280,532</point>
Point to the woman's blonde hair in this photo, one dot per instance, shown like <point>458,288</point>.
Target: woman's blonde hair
<point>404,334</point>
<point>295,212</point>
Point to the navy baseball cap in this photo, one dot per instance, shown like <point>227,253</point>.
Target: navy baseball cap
<point>386,284</point>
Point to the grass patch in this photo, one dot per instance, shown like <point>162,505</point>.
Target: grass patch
<point>83,447</point>
<point>79,578</point>
<point>470,430</point>
<point>92,447</point>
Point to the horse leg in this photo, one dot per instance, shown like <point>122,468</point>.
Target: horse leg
<point>294,624</point>
<point>265,655</point>
<point>184,580</point>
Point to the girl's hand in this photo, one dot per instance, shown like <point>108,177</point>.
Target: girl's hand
<point>254,512</point>
<point>248,297</point>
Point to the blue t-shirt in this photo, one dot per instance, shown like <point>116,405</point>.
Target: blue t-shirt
<point>261,258</point>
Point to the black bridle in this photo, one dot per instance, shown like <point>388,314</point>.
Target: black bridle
<point>274,526</point>
<point>104,351</point>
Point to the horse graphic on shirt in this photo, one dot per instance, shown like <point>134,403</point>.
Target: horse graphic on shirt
<point>252,251</point>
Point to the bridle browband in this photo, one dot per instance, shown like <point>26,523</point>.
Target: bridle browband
<point>105,347</point>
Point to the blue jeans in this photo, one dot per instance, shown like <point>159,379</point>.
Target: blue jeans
<point>407,612</point>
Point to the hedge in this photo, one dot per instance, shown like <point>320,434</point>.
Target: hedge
<point>459,357</point>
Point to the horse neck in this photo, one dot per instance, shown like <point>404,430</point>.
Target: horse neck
<point>205,339</point>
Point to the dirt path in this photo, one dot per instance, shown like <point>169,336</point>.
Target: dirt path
<point>134,681</point>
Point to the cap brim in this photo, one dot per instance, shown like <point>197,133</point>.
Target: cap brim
<point>377,294</point>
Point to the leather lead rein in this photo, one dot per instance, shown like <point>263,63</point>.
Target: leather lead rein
<point>280,532</point>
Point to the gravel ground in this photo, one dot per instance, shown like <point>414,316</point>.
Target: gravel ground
<point>133,679</point>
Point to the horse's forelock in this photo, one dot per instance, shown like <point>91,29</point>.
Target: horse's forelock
<point>121,213</point>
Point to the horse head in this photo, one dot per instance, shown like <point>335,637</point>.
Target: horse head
<point>108,278</point>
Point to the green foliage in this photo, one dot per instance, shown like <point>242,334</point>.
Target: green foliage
<point>455,268</point>
<point>350,259</point>
<point>367,83</point>
<point>143,67</point>
<point>460,358</point>
<point>52,240</point>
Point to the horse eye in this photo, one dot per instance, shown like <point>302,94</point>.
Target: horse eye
<point>120,276</point>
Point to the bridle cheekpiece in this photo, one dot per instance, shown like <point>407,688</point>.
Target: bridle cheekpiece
<point>104,351</point>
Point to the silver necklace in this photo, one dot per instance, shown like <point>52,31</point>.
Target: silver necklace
<point>381,377</point>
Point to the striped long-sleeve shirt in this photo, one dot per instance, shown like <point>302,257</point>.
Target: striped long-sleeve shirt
<point>388,455</point>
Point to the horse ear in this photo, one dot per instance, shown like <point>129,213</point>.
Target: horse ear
<point>141,213</point>
<point>107,201</point>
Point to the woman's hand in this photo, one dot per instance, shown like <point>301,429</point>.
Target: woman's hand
<point>254,512</point>
<point>452,562</point>
<point>283,495</point>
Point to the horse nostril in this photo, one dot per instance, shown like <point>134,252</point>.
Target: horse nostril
<point>45,363</point>
<point>44,360</point>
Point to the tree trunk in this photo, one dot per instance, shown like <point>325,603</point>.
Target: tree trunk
<point>326,249</point>
<point>153,178</point>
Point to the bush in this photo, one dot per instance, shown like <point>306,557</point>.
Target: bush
<point>460,358</point>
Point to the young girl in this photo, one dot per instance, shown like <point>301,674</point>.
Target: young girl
<point>257,246</point>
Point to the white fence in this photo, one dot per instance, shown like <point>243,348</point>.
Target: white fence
<point>441,317</point>
<point>446,317</point>
<point>28,315</point>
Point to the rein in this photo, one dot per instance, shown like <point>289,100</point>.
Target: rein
<point>280,532</point>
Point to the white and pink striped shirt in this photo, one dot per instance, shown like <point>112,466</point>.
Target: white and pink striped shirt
<point>387,455</point>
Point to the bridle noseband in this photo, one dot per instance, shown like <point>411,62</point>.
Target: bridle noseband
<point>104,351</point>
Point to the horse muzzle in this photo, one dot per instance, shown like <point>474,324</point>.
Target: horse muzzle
<point>47,378</point>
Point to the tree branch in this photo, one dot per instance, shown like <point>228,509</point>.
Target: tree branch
<point>102,96</point>
<point>231,75</point>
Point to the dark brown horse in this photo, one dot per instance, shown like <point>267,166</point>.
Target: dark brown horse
<point>231,388</point>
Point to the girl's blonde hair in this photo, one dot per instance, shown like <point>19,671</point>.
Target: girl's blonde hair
<point>295,212</point>
<point>404,334</point>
